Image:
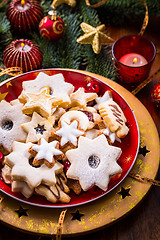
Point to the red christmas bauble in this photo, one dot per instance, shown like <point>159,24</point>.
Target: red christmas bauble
<point>52,27</point>
<point>24,54</point>
<point>155,95</point>
<point>24,15</point>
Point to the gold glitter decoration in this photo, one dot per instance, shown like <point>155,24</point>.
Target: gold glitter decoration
<point>94,36</point>
<point>56,3</point>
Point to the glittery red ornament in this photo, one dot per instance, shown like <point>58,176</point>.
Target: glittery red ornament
<point>155,95</point>
<point>52,27</point>
<point>24,15</point>
<point>24,54</point>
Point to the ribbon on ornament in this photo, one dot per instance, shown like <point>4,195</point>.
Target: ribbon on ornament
<point>146,18</point>
<point>144,179</point>
<point>13,71</point>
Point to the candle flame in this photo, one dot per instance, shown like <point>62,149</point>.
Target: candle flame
<point>23,2</point>
<point>22,44</point>
<point>135,60</point>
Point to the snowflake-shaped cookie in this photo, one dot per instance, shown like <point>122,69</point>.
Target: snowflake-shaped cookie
<point>38,127</point>
<point>69,133</point>
<point>19,161</point>
<point>41,102</point>
<point>93,162</point>
<point>46,152</point>
<point>11,118</point>
<point>59,88</point>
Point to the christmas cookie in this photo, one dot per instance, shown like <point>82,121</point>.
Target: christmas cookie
<point>41,102</point>
<point>58,87</point>
<point>57,192</point>
<point>93,162</point>
<point>81,117</point>
<point>20,160</point>
<point>46,152</point>
<point>80,98</point>
<point>38,127</point>
<point>22,187</point>
<point>68,133</point>
<point>11,118</point>
<point>106,96</point>
<point>114,117</point>
<point>6,174</point>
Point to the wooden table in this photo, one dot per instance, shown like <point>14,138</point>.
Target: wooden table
<point>144,221</point>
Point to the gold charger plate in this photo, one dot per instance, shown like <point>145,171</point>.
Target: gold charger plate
<point>106,210</point>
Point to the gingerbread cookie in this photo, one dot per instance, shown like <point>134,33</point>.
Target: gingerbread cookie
<point>58,87</point>
<point>38,127</point>
<point>11,118</point>
<point>93,162</point>
<point>114,117</point>
<point>41,102</point>
<point>46,152</point>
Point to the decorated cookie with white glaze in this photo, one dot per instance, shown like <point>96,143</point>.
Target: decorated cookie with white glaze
<point>11,118</point>
<point>93,162</point>
<point>20,160</point>
<point>68,133</point>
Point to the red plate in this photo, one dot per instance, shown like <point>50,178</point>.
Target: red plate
<point>129,145</point>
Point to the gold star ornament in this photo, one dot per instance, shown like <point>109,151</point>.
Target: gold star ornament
<point>56,3</point>
<point>94,36</point>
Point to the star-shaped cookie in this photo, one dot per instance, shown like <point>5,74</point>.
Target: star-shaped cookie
<point>58,87</point>
<point>94,36</point>
<point>56,3</point>
<point>10,124</point>
<point>93,162</point>
<point>69,133</point>
<point>18,160</point>
<point>38,127</point>
<point>46,152</point>
<point>41,102</point>
<point>80,98</point>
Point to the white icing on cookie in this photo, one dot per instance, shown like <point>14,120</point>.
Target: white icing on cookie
<point>46,150</point>
<point>69,133</point>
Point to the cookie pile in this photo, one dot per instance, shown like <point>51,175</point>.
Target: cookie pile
<point>51,124</point>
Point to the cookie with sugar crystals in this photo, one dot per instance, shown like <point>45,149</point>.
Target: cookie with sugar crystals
<point>11,118</point>
<point>38,127</point>
<point>20,160</point>
<point>80,98</point>
<point>57,85</point>
<point>93,162</point>
<point>41,102</point>
<point>46,152</point>
<point>114,117</point>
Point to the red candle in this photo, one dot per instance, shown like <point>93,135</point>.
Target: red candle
<point>24,54</point>
<point>24,15</point>
<point>133,55</point>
